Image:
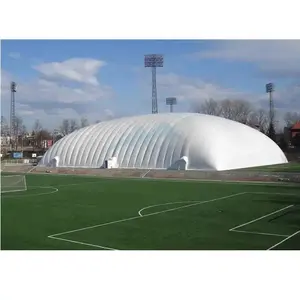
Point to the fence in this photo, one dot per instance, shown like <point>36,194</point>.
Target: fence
<point>24,161</point>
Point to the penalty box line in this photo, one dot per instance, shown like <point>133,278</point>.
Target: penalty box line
<point>55,236</point>
<point>234,229</point>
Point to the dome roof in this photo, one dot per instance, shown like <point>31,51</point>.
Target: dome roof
<point>160,140</point>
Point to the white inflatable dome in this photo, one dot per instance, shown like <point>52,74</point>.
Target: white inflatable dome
<point>166,141</point>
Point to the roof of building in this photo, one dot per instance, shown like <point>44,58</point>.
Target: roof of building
<point>296,126</point>
<point>160,140</point>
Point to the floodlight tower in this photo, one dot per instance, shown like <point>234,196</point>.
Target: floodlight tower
<point>13,90</point>
<point>171,101</point>
<point>270,90</point>
<point>154,61</point>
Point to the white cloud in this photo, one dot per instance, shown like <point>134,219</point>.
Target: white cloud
<point>14,55</point>
<point>82,70</point>
<point>195,89</point>
<point>275,57</point>
<point>23,112</point>
<point>51,101</point>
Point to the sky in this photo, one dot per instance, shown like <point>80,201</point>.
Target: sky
<point>102,79</point>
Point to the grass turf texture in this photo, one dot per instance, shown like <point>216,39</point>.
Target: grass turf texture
<point>292,167</point>
<point>56,204</point>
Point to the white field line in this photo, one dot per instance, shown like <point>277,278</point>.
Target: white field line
<point>260,218</point>
<point>143,175</point>
<point>55,190</point>
<point>163,204</point>
<point>46,187</point>
<point>290,236</point>
<point>81,243</point>
<point>138,217</point>
<point>262,233</point>
<point>29,171</point>
<point>265,193</point>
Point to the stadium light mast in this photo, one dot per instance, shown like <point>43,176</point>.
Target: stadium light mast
<point>13,90</point>
<point>153,61</point>
<point>270,90</point>
<point>171,101</point>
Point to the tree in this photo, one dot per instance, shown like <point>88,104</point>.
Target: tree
<point>291,118</point>
<point>65,127</point>
<point>42,135</point>
<point>209,107</point>
<point>282,143</point>
<point>259,119</point>
<point>36,133</point>
<point>236,110</point>
<point>84,122</point>
<point>20,131</point>
<point>57,137</point>
<point>97,121</point>
<point>241,111</point>
<point>4,127</point>
<point>271,132</point>
<point>73,125</point>
<point>37,126</point>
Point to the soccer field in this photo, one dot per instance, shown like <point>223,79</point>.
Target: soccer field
<point>90,213</point>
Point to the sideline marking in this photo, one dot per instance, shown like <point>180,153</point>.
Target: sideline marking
<point>262,233</point>
<point>266,193</point>
<point>290,236</point>
<point>81,243</point>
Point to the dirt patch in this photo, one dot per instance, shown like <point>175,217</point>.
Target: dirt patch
<point>164,174</point>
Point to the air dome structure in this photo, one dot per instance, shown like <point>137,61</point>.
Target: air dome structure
<point>165,141</point>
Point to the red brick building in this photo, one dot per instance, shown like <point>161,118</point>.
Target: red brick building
<point>292,134</point>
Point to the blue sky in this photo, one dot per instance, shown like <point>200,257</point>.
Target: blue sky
<point>98,79</point>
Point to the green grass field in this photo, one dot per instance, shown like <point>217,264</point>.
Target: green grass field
<point>292,167</point>
<point>89,213</point>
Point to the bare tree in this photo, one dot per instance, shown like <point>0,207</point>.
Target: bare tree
<point>236,110</point>
<point>209,107</point>
<point>260,120</point>
<point>20,131</point>
<point>19,126</point>
<point>37,127</point>
<point>4,127</point>
<point>291,118</point>
<point>84,122</point>
<point>241,111</point>
<point>65,127</point>
<point>73,125</point>
<point>227,109</point>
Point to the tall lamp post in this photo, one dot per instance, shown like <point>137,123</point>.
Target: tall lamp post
<point>13,138</point>
<point>153,61</point>
<point>171,101</point>
<point>271,130</point>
